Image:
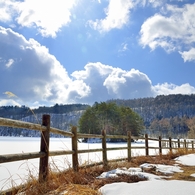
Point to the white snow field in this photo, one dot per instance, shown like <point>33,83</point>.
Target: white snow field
<point>16,173</point>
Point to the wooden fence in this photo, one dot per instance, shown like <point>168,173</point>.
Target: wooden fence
<point>44,152</point>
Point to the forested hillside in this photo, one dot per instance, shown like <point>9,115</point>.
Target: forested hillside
<point>62,117</point>
<point>172,115</point>
<point>16,112</point>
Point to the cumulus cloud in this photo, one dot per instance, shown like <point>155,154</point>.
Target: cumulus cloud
<point>33,74</point>
<point>5,8</point>
<point>94,75</point>
<point>47,16</point>
<point>173,30</point>
<point>169,88</point>
<point>107,82</point>
<point>128,84</point>
<point>117,15</point>
<point>188,55</point>
<point>36,77</point>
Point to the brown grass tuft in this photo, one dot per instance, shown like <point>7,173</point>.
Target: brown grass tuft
<point>186,174</point>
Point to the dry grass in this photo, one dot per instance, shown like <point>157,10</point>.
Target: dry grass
<point>85,180</point>
<point>185,175</point>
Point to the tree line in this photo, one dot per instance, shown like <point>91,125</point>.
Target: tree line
<point>165,115</point>
<point>18,112</point>
<point>171,115</point>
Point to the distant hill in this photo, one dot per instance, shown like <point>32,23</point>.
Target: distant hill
<point>62,117</point>
<point>17,112</point>
<point>171,115</point>
<point>165,115</point>
<point>161,106</point>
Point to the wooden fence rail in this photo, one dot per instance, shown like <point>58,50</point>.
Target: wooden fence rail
<point>44,152</point>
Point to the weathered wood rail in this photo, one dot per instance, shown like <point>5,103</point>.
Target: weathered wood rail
<point>44,152</point>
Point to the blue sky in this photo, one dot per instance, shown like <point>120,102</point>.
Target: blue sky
<point>82,51</point>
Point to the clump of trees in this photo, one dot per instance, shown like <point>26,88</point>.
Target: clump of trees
<point>116,120</point>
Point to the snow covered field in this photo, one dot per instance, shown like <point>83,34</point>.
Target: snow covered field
<point>155,184</point>
<point>16,173</point>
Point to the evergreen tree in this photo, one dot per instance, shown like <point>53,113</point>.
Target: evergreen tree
<point>110,117</point>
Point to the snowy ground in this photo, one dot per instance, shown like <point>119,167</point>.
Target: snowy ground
<point>155,184</point>
<point>16,173</point>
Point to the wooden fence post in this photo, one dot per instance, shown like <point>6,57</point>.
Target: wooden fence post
<point>160,145</point>
<point>192,145</point>
<point>104,152</point>
<point>178,143</point>
<point>170,144</point>
<point>75,162</point>
<point>129,146</point>
<point>185,144</point>
<point>44,161</point>
<point>146,144</point>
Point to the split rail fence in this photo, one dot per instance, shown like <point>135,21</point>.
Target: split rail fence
<point>44,152</point>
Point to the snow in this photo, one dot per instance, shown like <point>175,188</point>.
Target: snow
<point>193,175</point>
<point>155,187</point>
<point>17,172</point>
<point>166,169</point>
<point>155,184</point>
<point>188,160</point>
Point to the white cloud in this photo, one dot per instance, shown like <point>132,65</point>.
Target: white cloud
<point>156,30</point>
<point>172,31</point>
<point>37,78</point>
<point>123,48</point>
<point>117,15</point>
<point>156,3</point>
<point>128,84</point>
<point>47,16</point>
<point>94,76</point>
<point>188,55</point>
<point>4,13</point>
<point>9,63</point>
<point>107,82</point>
<point>7,10</point>
<point>35,74</point>
<point>153,3</point>
<point>169,88</point>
